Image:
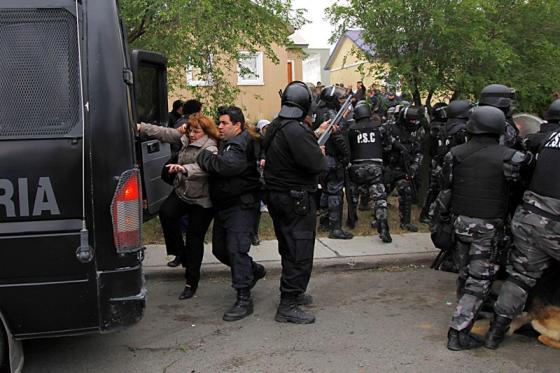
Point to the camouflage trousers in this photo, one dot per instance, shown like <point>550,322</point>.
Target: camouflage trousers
<point>536,242</point>
<point>369,176</point>
<point>475,252</point>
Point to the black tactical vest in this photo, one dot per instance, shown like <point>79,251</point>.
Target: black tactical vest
<point>365,141</point>
<point>546,180</point>
<point>480,189</point>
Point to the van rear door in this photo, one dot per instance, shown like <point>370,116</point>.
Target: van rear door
<point>150,90</point>
<point>41,172</point>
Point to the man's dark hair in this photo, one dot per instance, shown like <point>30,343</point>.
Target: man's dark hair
<point>177,104</point>
<point>191,106</point>
<point>235,114</point>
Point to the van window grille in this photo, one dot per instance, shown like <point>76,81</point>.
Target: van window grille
<point>39,81</point>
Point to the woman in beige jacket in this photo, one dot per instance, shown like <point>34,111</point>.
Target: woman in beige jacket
<point>190,194</point>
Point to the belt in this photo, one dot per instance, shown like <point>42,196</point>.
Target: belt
<point>538,211</point>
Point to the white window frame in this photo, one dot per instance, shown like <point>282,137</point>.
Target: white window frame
<point>259,79</point>
<point>191,82</point>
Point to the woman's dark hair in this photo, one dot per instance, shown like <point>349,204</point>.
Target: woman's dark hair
<point>177,104</point>
<point>235,114</point>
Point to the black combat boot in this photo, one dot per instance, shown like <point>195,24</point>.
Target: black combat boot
<point>243,307</point>
<point>258,273</point>
<point>304,300</point>
<point>497,332</point>
<point>383,230</point>
<point>189,291</point>
<point>176,262</point>
<point>255,239</point>
<point>339,234</point>
<point>288,311</point>
<point>462,340</point>
<point>424,217</point>
<point>405,211</point>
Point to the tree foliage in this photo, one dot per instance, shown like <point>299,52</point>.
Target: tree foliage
<point>459,46</point>
<point>208,35</point>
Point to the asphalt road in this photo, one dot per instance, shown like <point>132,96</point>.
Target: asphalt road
<point>367,321</point>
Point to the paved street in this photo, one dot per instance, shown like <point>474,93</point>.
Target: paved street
<point>367,321</point>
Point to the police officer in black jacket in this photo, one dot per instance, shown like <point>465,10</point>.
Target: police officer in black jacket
<point>235,193</point>
<point>366,157</point>
<point>293,164</point>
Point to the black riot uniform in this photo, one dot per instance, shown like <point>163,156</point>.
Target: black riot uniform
<point>293,164</point>
<point>536,239</point>
<point>337,158</point>
<point>452,133</point>
<point>552,123</point>
<point>403,160</point>
<point>235,192</point>
<point>503,98</point>
<point>432,148</point>
<point>476,177</point>
<point>366,157</point>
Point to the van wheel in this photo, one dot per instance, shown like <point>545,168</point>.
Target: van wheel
<point>3,349</point>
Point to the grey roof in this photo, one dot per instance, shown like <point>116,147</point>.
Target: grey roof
<point>356,37</point>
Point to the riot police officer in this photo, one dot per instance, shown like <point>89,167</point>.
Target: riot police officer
<point>502,97</point>
<point>552,123</point>
<point>474,193</point>
<point>536,238</point>
<point>366,157</point>
<point>403,160</point>
<point>453,133</point>
<point>437,125</point>
<point>293,164</point>
<point>337,158</point>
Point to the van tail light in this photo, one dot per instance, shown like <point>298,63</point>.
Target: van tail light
<point>126,212</point>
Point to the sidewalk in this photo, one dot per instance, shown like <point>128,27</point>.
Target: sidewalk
<point>361,252</point>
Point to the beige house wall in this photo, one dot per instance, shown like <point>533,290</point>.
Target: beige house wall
<point>258,101</point>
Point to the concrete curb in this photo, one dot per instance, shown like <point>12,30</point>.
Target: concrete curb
<point>320,265</point>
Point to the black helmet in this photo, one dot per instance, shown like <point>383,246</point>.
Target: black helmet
<point>497,95</point>
<point>459,109</point>
<point>486,120</point>
<point>296,101</point>
<point>439,112</point>
<point>331,94</point>
<point>553,112</point>
<point>362,110</point>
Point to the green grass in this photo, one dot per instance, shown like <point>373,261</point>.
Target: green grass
<point>152,233</point>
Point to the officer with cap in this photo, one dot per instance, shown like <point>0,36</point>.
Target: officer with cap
<point>337,158</point>
<point>366,157</point>
<point>503,98</point>
<point>474,193</point>
<point>294,161</point>
<point>536,239</point>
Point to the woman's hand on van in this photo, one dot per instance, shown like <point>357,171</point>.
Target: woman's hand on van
<point>176,168</point>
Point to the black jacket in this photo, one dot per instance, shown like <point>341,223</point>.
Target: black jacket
<point>234,178</point>
<point>293,157</point>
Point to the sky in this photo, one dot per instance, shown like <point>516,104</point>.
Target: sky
<point>317,31</point>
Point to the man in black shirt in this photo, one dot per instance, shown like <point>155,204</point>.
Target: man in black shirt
<point>235,193</point>
<point>293,163</point>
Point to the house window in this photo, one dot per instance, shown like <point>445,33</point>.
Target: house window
<point>250,69</point>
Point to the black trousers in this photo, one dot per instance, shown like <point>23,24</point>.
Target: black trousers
<point>231,241</point>
<point>199,218</point>
<point>295,232</point>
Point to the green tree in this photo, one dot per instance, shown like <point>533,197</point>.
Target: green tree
<point>208,35</point>
<point>459,46</point>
